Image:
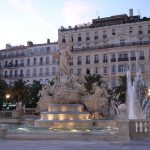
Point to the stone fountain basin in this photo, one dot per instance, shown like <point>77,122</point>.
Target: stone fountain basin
<point>65,107</point>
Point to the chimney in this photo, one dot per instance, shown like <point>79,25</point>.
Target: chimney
<point>8,46</point>
<point>131,12</point>
<point>29,43</point>
<point>48,41</point>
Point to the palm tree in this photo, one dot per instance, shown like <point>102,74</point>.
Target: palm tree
<point>90,79</point>
<point>20,91</point>
<point>120,91</point>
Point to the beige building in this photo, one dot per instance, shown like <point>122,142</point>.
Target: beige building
<point>31,62</point>
<point>109,46</point>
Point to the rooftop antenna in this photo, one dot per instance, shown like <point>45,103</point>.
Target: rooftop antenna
<point>97,13</point>
<point>139,13</point>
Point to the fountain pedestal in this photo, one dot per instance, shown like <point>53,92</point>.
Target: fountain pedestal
<point>65,116</point>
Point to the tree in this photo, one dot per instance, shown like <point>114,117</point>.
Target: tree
<point>20,91</point>
<point>90,79</point>
<point>4,88</point>
<point>33,97</point>
<point>121,90</point>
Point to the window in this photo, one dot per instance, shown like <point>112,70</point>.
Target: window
<point>28,61</point>
<point>5,73</point>
<point>96,35</point>
<point>22,62</point>
<point>6,63</point>
<point>96,70</point>
<point>113,69</point>
<point>79,60</point>
<point>105,59</point>
<point>113,31</point>
<point>54,71</point>
<point>96,59</point>
<point>122,41</point>
<point>140,30</point>
<point>79,71</point>
<point>133,68</point>
<point>113,82</point>
<point>79,38</point>
<point>34,72</point>
<point>142,68</point>
<point>16,73</point>
<point>87,37</point>
<point>132,54</point>
<point>41,61</point>
<point>104,34</point>
<point>71,71</point>
<point>63,39</point>
<point>41,72</point>
<point>105,70</point>
<point>28,72</point>
<point>35,61</point>
<point>130,30</point>
<point>141,57</point>
<point>148,28</point>
<point>87,70</point>
<point>47,71</point>
<point>16,62</point>
<point>123,68</point>
<point>47,60</point>
<point>87,59</point>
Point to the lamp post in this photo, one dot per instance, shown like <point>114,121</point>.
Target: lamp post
<point>7,97</point>
<point>148,92</point>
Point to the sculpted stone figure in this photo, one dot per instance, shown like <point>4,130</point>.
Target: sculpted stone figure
<point>97,100</point>
<point>64,56</point>
<point>44,98</point>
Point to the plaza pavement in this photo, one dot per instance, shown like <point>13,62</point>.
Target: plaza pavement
<point>73,145</point>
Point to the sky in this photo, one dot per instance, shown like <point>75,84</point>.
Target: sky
<point>38,20</point>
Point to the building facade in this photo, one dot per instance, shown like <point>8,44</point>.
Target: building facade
<point>31,62</point>
<point>110,47</point>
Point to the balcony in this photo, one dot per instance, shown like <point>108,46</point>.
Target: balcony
<point>87,62</point>
<point>104,36</point>
<point>105,60</point>
<point>41,63</point>
<point>113,60</point>
<point>132,58</point>
<point>111,46</point>
<point>96,61</point>
<point>142,57</point>
<point>53,73</point>
<point>28,75</point>
<point>79,63</point>
<point>123,59</point>
<point>140,32</point>
<point>34,75</point>
<point>70,63</point>
<point>95,37</point>
<point>40,74</point>
<point>47,74</point>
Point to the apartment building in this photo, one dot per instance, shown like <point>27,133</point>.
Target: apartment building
<point>31,62</point>
<point>109,46</point>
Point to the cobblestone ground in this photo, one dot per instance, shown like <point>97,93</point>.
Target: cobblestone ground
<point>73,145</point>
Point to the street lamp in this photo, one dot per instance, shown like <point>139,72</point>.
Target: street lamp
<point>148,92</point>
<point>7,96</point>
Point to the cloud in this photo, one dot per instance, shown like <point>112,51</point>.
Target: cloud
<point>75,11</point>
<point>27,7</point>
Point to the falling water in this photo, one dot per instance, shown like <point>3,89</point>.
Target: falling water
<point>134,96</point>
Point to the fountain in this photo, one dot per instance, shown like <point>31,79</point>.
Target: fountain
<point>68,100</point>
<point>135,97</point>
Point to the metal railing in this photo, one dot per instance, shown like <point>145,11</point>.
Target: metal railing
<point>5,114</point>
